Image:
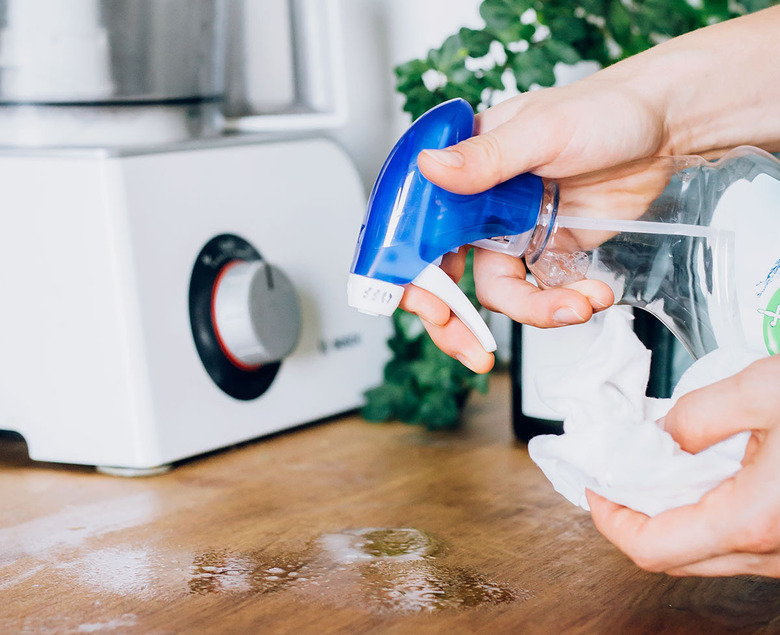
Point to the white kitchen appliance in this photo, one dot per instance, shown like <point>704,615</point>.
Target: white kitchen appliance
<point>167,289</point>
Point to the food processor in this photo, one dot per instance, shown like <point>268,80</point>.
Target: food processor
<point>160,297</point>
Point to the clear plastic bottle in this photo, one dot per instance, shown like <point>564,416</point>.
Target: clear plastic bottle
<point>696,243</point>
<point>691,241</point>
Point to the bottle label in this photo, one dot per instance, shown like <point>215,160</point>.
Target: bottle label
<point>751,211</point>
<point>772,324</point>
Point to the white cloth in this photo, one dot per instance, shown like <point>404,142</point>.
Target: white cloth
<point>612,444</point>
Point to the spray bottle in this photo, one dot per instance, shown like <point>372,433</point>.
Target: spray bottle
<point>691,241</point>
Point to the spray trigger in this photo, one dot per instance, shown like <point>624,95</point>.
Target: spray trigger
<point>435,281</point>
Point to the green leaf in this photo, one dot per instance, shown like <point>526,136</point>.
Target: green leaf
<point>382,402</point>
<point>753,5</point>
<point>502,17</point>
<point>426,372</point>
<point>450,53</point>
<point>568,28</point>
<point>533,67</point>
<point>460,75</point>
<point>471,94</point>
<point>407,324</point>
<point>559,51</point>
<point>439,410</point>
<point>412,70</point>
<point>494,78</point>
<point>399,372</point>
<point>476,43</point>
<point>591,7</point>
<point>481,383</point>
<point>619,22</point>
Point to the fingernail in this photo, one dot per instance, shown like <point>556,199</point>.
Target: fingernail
<point>447,158</point>
<point>596,304</point>
<point>567,315</point>
<point>463,359</point>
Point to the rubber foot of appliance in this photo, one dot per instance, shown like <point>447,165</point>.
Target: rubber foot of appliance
<point>132,472</point>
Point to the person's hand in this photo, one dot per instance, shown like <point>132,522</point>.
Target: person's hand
<point>735,528</point>
<point>647,105</point>
<point>556,133</point>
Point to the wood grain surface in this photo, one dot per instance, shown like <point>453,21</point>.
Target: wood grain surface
<point>341,527</point>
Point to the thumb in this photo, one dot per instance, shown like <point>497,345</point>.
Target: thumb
<point>484,160</point>
<point>749,400</point>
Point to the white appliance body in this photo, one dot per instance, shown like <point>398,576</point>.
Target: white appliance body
<point>98,364</point>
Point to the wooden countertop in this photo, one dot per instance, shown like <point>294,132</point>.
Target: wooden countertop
<point>342,527</point>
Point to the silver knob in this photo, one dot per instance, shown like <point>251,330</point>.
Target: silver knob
<point>256,313</point>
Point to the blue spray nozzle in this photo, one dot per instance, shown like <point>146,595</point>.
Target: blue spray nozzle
<point>411,223</point>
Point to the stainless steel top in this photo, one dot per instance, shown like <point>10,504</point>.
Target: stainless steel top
<point>92,52</point>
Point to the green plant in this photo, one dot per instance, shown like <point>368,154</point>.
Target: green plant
<point>422,385</point>
<point>523,40</point>
<point>517,50</point>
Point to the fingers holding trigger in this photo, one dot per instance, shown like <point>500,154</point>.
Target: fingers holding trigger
<point>447,331</point>
<point>454,264</point>
<point>426,305</point>
<point>456,340</point>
